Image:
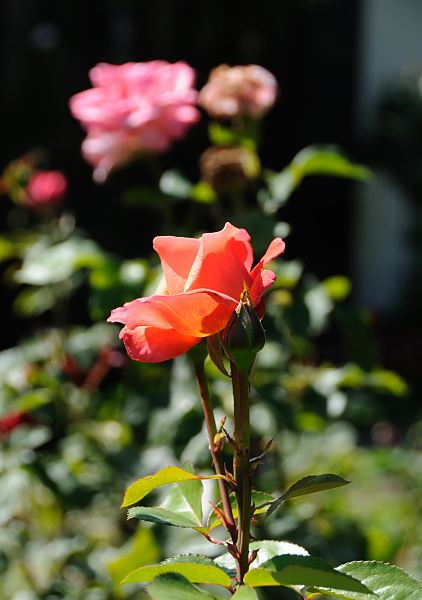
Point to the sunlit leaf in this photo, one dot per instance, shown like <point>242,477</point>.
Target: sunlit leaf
<point>45,264</point>
<point>174,184</point>
<point>245,593</point>
<point>144,486</point>
<point>386,581</point>
<point>173,586</point>
<point>186,499</point>
<point>203,193</point>
<point>199,569</point>
<point>161,515</point>
<point>141,549</point>
<point>291,570</point>
<point>266,549</point>
<point>313,160</point>
<point>337,287</point>
<point>308,485</point>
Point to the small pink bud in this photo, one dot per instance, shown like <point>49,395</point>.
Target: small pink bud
<point>46,188</point>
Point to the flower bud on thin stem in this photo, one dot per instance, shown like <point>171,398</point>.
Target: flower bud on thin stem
<point>243,337</point>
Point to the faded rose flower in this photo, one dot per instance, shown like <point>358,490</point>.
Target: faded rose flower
<point>226,167</point>
<point>134,109</point>
<point>238,91</point>
<point>203,282</point>
<point>45,188</point>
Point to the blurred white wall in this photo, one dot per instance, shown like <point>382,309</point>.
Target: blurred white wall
<point>390,40</point>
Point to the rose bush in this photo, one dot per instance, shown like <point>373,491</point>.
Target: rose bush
<point>247,90</point>
<point>134,108</point>
<point>203,280</point>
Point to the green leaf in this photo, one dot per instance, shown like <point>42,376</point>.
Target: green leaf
<point>174,184</point>
<point>33,399</point>
<point>222,136</point>
<point>326,160</point>
<point>245,593</point>
<point>139,489</point>
<point>142,548</point>
<point>161,515</point>
<point>337,287</point>
<point>291,570</point>
<point>258,498</point>
<point>173,586</point>
<point>388,381</point>
<point>267,549</point>
<point>308,485</point>
<point>186,499</point>
<point>203,193</point>
<point>197,569</point>
<point>313,160</point>
<point>45,264</point>
<point>386,581</point>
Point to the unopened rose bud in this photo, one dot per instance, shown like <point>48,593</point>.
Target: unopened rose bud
<point>46,188</point>
<point>243,337</point>
<point>224,168</point>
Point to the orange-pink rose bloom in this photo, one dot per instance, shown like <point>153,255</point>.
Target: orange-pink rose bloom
<point>201,287</point>
<point>134,109</point>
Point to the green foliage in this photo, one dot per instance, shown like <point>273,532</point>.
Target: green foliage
<point>196,569</point>
<point>308,485</point>
<point>138,490</point>
<point>302,571</point>
<point>176,587</point>
<point>245,593</point>
<point>386,582</point>
<point>313,160</point>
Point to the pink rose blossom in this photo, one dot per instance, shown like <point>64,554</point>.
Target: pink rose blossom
<point>238,91</point>
<point>134,109</point>
<point>45,188</point>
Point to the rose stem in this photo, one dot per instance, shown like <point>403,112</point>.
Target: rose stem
<point>216,458</point>
<point>242,465</point>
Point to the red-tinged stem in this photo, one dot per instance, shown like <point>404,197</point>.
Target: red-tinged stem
<point>216,458</point>
<point>242,466</point>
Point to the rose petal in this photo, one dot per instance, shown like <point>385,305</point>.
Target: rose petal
<point>223,262</point>
<point>198,313</point>
<point>262,281</point>
<point>151,345</point>
<point>177,255</point>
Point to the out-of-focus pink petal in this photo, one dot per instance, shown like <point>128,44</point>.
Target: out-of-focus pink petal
<point>223,262</point>
<point>152,345</point>
<point>177,255</point>
<point>134,109</point>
